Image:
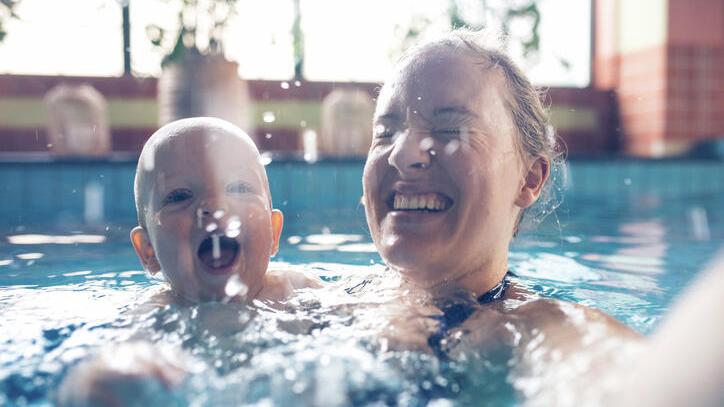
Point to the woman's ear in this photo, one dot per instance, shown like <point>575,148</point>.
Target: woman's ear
<point>277,219</point>
<point>144,250</point>
<point>535,178</point>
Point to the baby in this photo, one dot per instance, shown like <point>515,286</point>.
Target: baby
<point>206,222</point>
<point>205,216</point>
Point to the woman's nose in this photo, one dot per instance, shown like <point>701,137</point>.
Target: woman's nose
<point>411,151</point>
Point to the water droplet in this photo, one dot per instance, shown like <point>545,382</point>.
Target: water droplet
<point>419,98</point>
<point>294,239</point>
<point>297,83</point>
<point>268,136</point>
<point>426,143</point>
<point>452,147</point>
<point>284,85</point>
<point>379,129</point>
<point>290,374</point>
<point>269,117</point>
<point>215,247</point>
<point>219,214</point>
<point>49,145</point>
<point>433,152</point>
<point>235,287</point>
<point>233,229</point>
<point>211,227</point>
<point>199,218</point>
<point>266,159</point>
<point>303,123</point>
<point>309,145</point>
<point>627,181</point>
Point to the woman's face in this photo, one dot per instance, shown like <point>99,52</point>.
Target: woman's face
<point>443,175</point>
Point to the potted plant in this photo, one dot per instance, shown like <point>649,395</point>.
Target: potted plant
<point>197,79</point>
<point>7,11</point>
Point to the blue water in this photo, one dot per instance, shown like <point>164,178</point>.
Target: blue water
<point>68,286</point>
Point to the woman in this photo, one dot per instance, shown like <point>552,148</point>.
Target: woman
<point>461,150</point>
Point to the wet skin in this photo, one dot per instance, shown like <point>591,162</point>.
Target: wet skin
<point>444,183</point>
<point>207,182</point>
<point>443,134</point>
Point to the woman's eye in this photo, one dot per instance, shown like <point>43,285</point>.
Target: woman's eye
<point>177,195</point>
<point>238,188</point>
<point>382,131</point>
<point>447,133</point>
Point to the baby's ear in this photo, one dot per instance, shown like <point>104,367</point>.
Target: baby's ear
<point>144,250</point>
<point>277,220</point>
<point>535,178</point>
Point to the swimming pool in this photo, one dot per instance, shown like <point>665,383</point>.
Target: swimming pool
<point>628,237</point>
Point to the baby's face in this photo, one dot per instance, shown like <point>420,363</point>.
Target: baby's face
<point>209,219</point>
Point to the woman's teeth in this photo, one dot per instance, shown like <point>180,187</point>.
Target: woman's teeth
<point>429,201</point>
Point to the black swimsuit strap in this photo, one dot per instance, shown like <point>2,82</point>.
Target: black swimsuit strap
<point>496,292</point>
<point>454,314</point>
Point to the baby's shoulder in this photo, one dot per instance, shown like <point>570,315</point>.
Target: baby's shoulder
<point>295,278</point>
<point>279,285</point>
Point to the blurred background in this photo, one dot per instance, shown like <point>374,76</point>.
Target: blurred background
<point>637,78</point>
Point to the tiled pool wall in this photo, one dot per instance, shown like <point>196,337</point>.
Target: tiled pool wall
<point>79,192</point>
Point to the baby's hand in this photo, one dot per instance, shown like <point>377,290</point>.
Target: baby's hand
<point>124,375</point>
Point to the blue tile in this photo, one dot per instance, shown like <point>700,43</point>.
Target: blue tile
<point>12,187</point>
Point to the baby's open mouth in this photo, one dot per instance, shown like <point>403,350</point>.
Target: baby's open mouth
<point>218,252</point>
<point>429,201</point>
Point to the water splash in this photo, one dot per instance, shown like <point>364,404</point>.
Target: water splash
<point>233,229</point>
<point>199,218</point>
<point>309,139</point>
<point>93,202</point>
<point>284,85</point>
<point>235,287</point>
<point>266,158</point>
<point>426,143</point>
<point>451,147</point>
<point>215,247</point>
<point>699,223</point>
<point>269,117</point>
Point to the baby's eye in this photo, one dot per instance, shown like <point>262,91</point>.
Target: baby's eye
<point>177,195</point>
<point>238,188</point>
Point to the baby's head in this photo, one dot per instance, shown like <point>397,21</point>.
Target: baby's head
<point>204,210</point>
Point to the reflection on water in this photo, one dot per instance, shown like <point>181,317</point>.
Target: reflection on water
<point>66,294</point>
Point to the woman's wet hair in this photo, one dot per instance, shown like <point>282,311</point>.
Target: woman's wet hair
<point>536,136</point>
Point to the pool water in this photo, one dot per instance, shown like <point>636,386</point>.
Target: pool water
<point>69,288</point>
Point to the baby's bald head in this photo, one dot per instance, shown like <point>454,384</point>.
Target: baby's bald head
<point>206,144</point>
